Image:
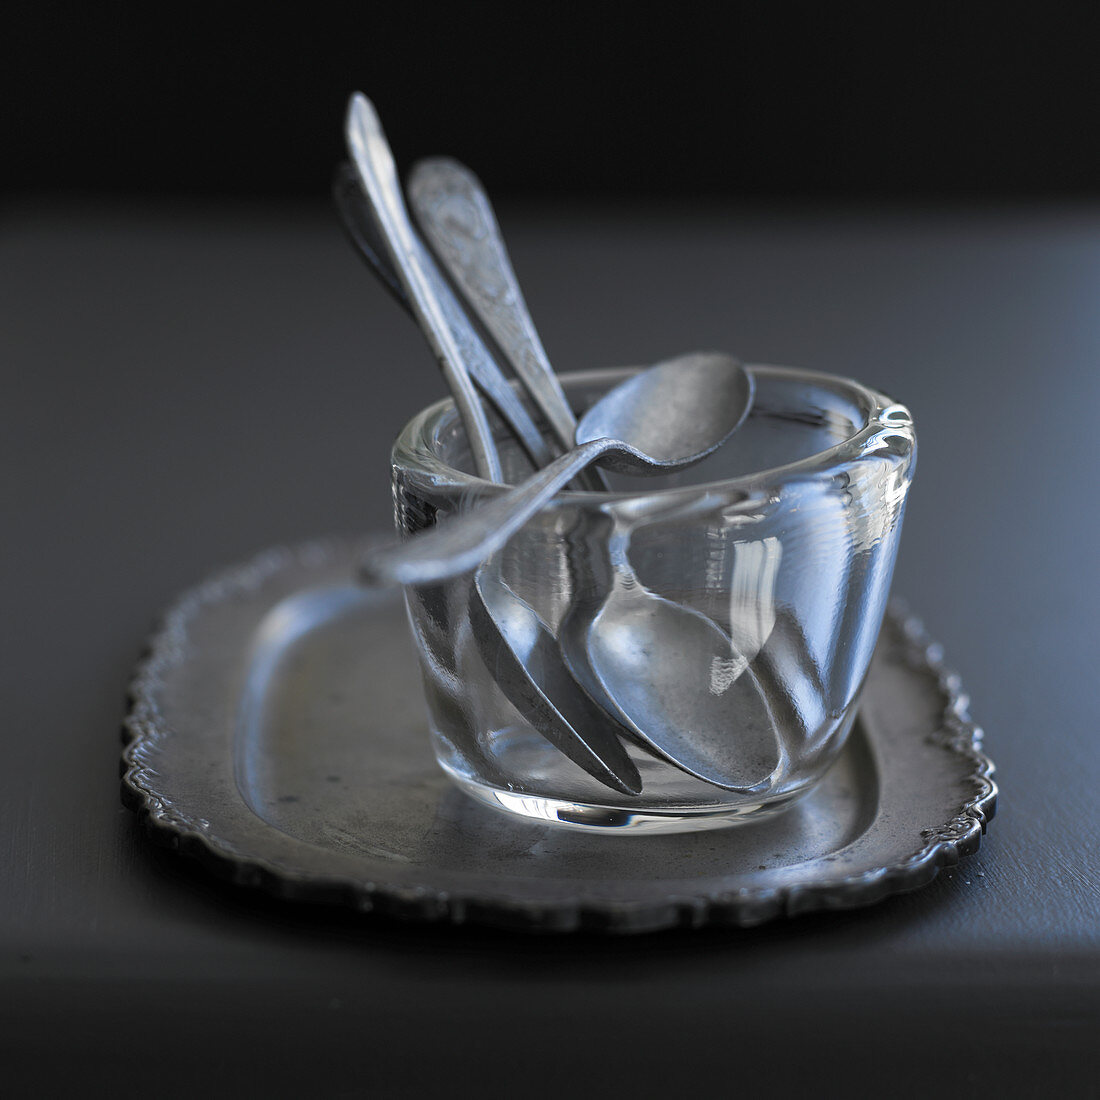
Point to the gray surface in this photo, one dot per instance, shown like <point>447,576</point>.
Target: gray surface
<point>188,389</point>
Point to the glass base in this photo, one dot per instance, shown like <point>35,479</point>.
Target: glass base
<point>593,817</point>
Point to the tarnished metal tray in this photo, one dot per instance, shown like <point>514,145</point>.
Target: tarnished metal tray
<point>277,730</point>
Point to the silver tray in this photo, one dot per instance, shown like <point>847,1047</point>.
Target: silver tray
<point>277,731</point>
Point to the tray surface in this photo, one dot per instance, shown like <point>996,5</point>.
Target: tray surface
<point>277,730</point>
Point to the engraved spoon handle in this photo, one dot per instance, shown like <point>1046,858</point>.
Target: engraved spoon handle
<point>455,214</point>
<point>358,223</point>
<point>374,162</point>
<point>464,541</point>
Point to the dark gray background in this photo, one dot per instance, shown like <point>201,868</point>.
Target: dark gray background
<point>195,368</point>
<point>936,101</point>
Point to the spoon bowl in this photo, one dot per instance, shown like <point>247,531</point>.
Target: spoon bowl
<point>527,665</point>
<point>667,673</point>
<point>672,416</point>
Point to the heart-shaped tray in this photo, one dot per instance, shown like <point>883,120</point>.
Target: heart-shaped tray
<point>277,731</point>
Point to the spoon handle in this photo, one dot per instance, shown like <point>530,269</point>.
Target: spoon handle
<point>374,162</point>
<point>463,542</point>
<point>455,214</point>
<point>360,230</point>
<point>359,226</point>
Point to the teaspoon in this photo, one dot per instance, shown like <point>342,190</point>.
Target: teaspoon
<point>455,215</point>
<point>522,655</point>
<point>355,216</point>
<point>679,684</point>
<point>665,418</point>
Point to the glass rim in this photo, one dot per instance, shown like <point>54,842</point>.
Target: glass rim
<point>880,414</point>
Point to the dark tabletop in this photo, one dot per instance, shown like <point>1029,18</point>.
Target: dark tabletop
<point>190,387</point>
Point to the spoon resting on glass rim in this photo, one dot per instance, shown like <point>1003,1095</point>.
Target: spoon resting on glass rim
<point>665,418</point>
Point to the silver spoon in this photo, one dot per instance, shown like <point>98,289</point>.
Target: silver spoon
<point>373,160</point>
<point>522,655</point>
<point>355,216</point>
<point>455,215</point>
<point>668,673</point>
<point>665,418</point>
<point>520,651</point>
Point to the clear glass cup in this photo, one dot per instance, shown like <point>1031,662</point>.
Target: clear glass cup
<point>780,545</point>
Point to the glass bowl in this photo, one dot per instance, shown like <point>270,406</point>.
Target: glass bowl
<point>757,580</point>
